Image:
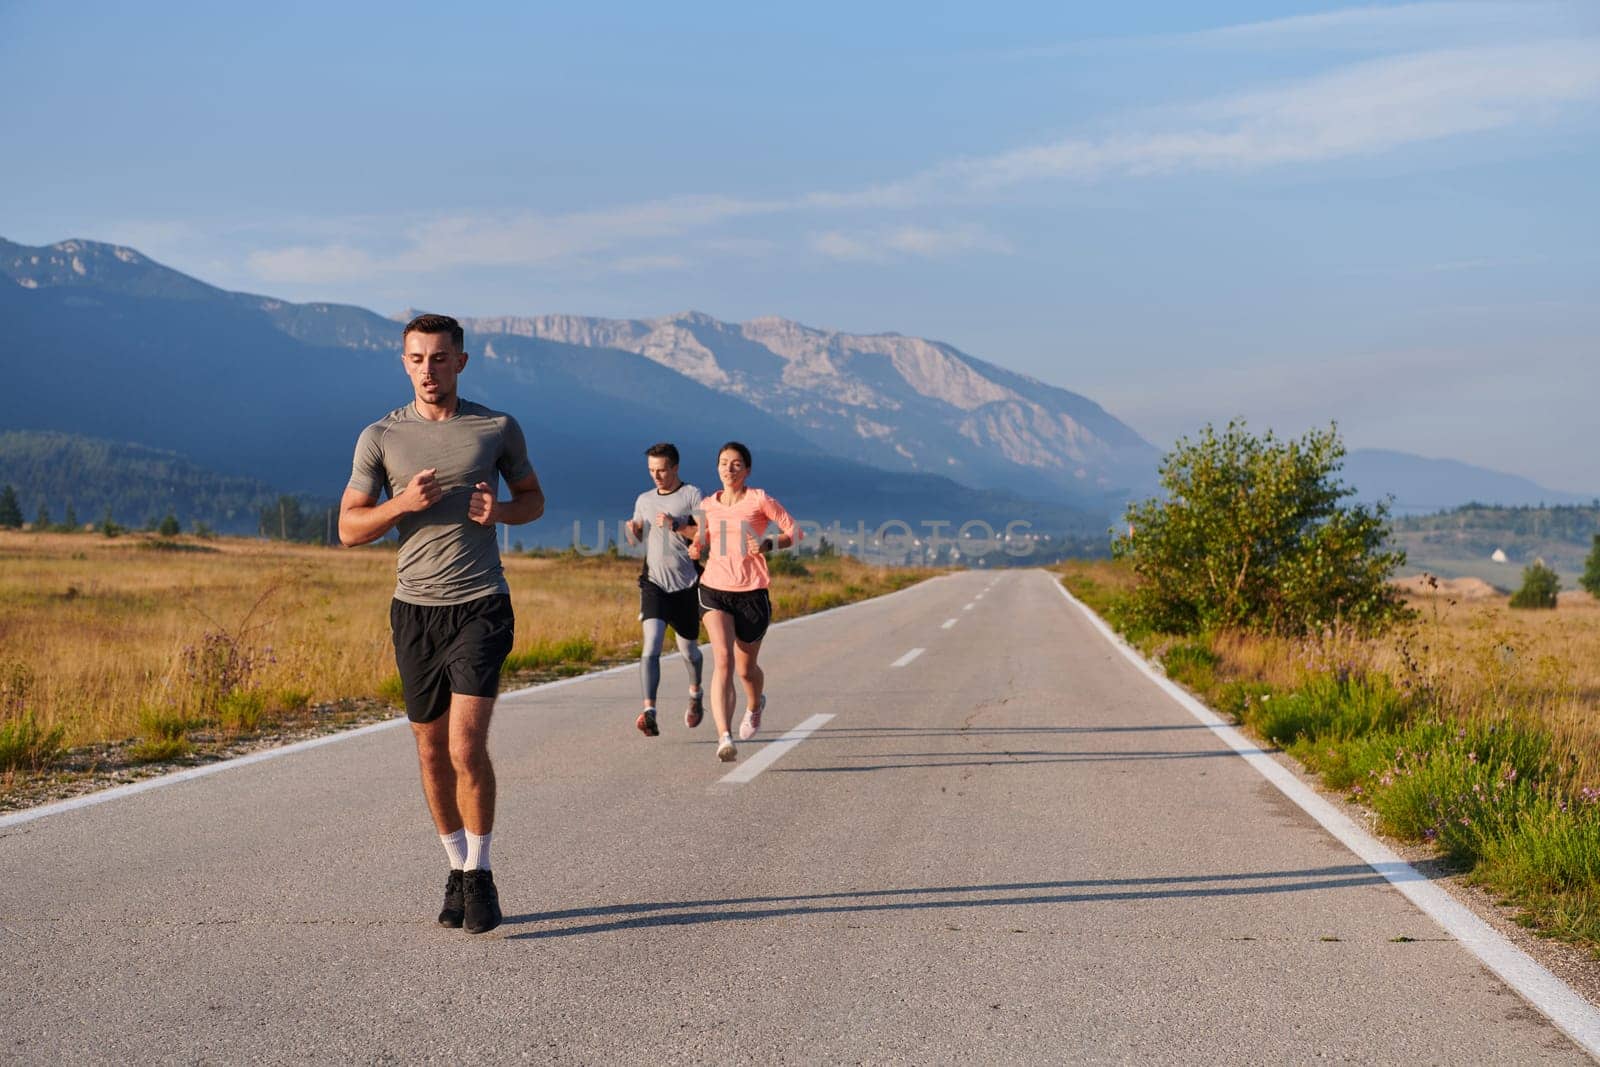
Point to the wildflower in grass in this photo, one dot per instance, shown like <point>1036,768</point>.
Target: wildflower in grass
<point>1430,833</point>
<point>1589,794</point>
<point>1387,779</point>
<point>1472,757</point>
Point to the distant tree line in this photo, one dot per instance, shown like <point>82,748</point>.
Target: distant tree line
<point>62,481</point>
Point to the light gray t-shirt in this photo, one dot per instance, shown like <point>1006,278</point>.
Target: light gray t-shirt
<point>666,554</point>
<point>445,557</point>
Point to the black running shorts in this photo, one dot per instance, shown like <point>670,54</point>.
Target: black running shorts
<point>751,611</point>
<point>454,648</point>
<point>680,610</point>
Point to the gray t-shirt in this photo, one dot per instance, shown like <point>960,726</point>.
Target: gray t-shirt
<point>445,557</point>
<point>666,554</point>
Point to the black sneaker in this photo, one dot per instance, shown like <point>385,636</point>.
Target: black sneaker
<point>482,902</point>
<point>646,722</point>
<point>452,913</point>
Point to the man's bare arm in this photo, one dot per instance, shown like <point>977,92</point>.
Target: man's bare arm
<point>362,519</point>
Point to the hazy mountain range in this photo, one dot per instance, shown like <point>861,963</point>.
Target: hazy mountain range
<point>845,426</point>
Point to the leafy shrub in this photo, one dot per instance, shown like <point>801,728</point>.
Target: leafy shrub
<point>1253,534</point>
<point>1591,570</point>
<point>160,749</point>
<point>1193,664</point>
<point>241,711</point>
<point>1330,708</point>
<point>392,690</point>
<point>25,745</point>
<point>157,723</point>
<point>787,563</point>
<point>547,654</point>
<point>1540,587</point>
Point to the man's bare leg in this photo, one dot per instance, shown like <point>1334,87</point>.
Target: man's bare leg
<point>469,762</point>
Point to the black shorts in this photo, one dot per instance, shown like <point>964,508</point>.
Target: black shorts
<point>751,611</point>
<point>680,610</point>
<point>453,648</point>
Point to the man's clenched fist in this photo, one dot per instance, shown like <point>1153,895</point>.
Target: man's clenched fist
<point>482,506</point>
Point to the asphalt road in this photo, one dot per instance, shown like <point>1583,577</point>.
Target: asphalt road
<point>1011,848</point>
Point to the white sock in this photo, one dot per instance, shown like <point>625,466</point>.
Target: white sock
<point>478,851</point>
<point>455,845</point>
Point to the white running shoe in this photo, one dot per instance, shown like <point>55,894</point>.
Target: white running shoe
<point>752,719</point>
<point>725,750</point>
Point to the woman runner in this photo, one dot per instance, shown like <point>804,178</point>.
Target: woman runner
<point>734,542</point>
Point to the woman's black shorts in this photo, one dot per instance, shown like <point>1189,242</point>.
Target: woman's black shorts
<point>454,648</point>
<point>751,611</point>
<point>680,610</point>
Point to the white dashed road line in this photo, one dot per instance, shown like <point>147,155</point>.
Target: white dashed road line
<point>772,752</point>
<point>947,624</point>
<point>907,658</point>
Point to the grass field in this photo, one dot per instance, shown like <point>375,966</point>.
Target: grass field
<point>106,639</point>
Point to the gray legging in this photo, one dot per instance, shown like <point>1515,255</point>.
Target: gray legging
<point>655,635</point>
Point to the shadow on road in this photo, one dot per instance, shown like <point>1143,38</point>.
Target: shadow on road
<point>1088,891</point>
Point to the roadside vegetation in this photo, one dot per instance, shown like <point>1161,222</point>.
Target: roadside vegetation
<point>1466,725</point>
<point>143,647</point>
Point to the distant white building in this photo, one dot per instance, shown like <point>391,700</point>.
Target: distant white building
<point>1500,556</point>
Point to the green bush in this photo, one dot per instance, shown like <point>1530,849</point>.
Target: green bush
<point>241,711</point>
<point>1329,708</point>
<point>1540,587</point>
<point>548,654</point>
<point>1193,664</point>
<point>1253,533</point>
<point>391,690</point>
<point>25,745</point>
<point>164,724</point>
<point>1591,570</point>
<point>787,563</point>
<point>160,749</point>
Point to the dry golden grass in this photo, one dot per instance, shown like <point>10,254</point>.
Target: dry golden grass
<point>1479,657</point>
<point>104,628</point>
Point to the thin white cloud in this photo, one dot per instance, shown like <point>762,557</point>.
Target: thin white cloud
<point>921,242</point>
<point>1361,109</point>
<point>308,263</point>
<point>1375,28</point>
<point>649,264</point>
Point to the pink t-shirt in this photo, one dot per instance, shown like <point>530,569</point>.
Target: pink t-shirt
<point>733,563</point>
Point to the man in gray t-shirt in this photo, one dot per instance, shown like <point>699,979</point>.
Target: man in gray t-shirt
<point>665,519</point>
<point>440,459</point>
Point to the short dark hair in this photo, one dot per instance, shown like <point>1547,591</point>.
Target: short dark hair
<point>664,450</point>
<point>735,446</point>
<point>436,324</point>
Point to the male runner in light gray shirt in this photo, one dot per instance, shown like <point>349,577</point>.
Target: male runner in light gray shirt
<point>665,519</point>
<point>440,458</point>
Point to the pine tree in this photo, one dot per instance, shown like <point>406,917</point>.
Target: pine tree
<point>10,510</point>
<point>1591,570</point>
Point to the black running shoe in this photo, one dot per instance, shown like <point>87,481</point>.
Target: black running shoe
<point>482,902</point>
<point>646,722</point>
<point>453,911</point>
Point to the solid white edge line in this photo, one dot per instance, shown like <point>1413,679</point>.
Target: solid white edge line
<point>908,657</point>
<point>1574,1015</point>
<point>773,752</point>
<point>89,800</point>
<point>117,792</point>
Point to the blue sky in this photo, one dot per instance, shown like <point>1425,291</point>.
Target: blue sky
<point>1384,215</point>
